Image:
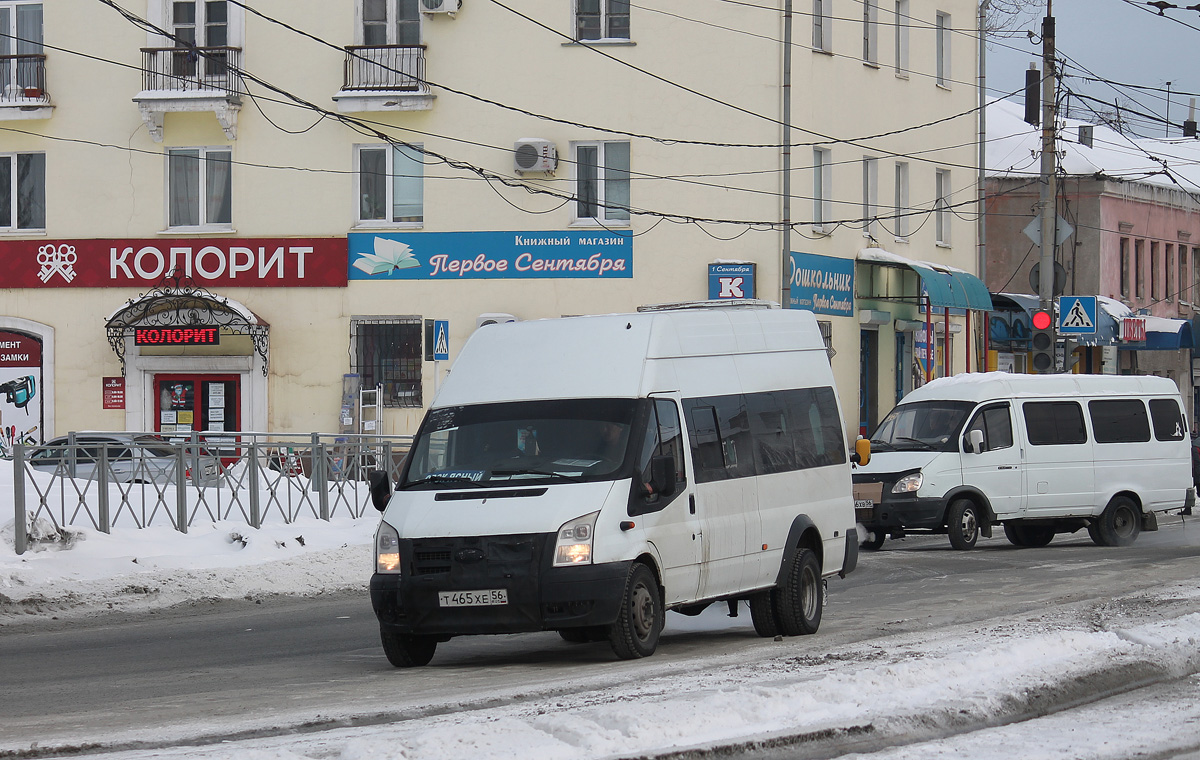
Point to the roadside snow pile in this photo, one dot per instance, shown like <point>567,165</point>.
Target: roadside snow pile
<point>82,572</point>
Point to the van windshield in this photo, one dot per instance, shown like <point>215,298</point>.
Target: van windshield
<point>564,440</point>
<point>922,426</point>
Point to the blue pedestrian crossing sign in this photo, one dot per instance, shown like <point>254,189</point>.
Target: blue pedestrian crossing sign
<point>441,340</point>
<point>1076,315</point>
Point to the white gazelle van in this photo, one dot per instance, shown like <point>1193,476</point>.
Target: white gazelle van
<point>587,474</point>
<point>1039,454</point>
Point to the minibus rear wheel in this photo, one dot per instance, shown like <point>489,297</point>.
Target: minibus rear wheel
<point>640,621</point>
<point>1119,524</point>
<point>406,651</point>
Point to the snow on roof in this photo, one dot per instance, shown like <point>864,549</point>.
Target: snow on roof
<point>1014,146</point>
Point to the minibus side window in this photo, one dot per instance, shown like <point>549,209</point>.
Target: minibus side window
<point>722,446</point>
<point>706,441</point>
<point>774,445</point>
<point>996,425</point>
<point>1054,422</point>
<point>1168,422</point>
<point>1119,421</point>
<point>828,443</point>
<point>664,438</point>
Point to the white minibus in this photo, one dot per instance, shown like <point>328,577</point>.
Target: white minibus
<point>1038,454</point>
<point>587,474</point>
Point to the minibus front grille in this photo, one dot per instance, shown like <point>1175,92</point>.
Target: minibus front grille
<point>431,561</point>
<point>478,556</point>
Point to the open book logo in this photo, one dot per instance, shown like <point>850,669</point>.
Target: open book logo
<point>389,256</point>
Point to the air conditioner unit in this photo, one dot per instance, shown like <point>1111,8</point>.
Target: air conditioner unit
<point>532,154</point>
<point>492,318</point>
<point>439,6</point>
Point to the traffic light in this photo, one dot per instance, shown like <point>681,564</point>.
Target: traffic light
<point>1043,342</point>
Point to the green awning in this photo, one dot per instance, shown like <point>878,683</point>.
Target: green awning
<point>947,288</point>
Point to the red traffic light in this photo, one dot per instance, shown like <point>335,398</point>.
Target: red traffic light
<point>1041,320</point>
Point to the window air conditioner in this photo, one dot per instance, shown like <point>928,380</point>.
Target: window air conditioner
<point>532,154</point>
<point>439,6</point>
<point>492,318</point>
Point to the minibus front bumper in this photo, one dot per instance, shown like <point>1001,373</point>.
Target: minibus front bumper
<point>903,511</point>
<point>427,597</point>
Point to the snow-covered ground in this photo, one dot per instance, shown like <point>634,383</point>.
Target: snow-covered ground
<point>919,695</point>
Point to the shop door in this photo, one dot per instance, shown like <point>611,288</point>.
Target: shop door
<point>204,403</point>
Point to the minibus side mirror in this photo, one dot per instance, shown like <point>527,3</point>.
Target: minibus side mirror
<point>975,441</point>
<point>381,488</point>
<point>862,451</point>
<point>662,476</point>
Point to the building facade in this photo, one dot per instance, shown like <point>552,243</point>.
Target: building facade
<point>227,218</point>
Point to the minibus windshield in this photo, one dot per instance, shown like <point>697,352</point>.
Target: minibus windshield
<point>922,426</point>
<point>521,442</point>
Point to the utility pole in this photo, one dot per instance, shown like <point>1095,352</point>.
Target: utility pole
<point>785,263</point>
<point>1049,197</point>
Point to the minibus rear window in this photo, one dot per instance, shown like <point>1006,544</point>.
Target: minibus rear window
<point>1168,422</point>
<point>1054,422</point>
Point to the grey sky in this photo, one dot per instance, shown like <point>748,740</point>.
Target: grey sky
<point>1113,40</point>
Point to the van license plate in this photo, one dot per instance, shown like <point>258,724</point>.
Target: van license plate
<point>472,598</point>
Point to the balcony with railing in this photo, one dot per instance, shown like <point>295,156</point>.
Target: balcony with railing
<point>182,79</point>
<point>23,87</point>
<point>384,78</point>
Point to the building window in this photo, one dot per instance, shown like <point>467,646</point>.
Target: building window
<point>20,33</point>
<point>901,63</point>
<point>199,187</point>
<point>200,24</point>
<point>1155,272</point>
<point>871,31</point>
<point>1172,284</point>
<point>822,26</point>
<point>391,184</point>
<point>601,19</point>
<point>941,207</point>
<point>391,22</point>
<point>822,189</point>
<point>1125,267</point>
<point>1185,293</point>
<point>1139,268</point>
<point>387,351</point>
<point>901,207</point>
<point>602,182</point>
<point>870,201</point>
<point>943,49</point>
<point>23,191</point>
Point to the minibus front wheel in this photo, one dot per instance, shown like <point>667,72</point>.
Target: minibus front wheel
<point>635,633</point>
<point>962,523</point>
<point>407,651</point>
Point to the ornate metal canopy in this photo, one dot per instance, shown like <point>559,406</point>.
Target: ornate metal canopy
<point>179,302</point>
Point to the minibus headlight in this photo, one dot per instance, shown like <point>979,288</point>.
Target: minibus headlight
<point>387,550</point>
<point>910,483</point>
<point>574,544</point>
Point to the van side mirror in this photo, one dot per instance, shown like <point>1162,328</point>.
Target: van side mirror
<point>862,451</point>
<point>662,476</point>
<point>975,441</point>
<point>381,489</point>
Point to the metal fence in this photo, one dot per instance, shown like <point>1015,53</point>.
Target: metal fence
<point>131,480</point>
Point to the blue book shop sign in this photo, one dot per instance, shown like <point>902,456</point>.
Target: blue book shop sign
<point>596,254</point>
<point>822,284</point>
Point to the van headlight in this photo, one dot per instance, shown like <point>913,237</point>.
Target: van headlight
<point>574,545</point>
<point>910,483</point>
<point>387,550</point>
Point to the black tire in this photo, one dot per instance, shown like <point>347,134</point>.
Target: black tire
<point>874,539</point>
<point>574,635</point>
<point>962,523</point>
<point>406,651</point>
<point>1028,535</point>
<point>1119,524</point>
<point>1093,529</point>
<point>799,601</point>
<point>640,621</point>
<point>762,613</point>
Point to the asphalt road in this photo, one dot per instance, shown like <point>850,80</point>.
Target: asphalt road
<point>227,669</point>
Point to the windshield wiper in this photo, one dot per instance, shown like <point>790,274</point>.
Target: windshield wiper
<point>923,444</point>
<point>436,478</point>
<point>880,444</point>
<point>539,473</point>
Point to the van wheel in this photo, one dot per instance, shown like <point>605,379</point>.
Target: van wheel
<point>962,523</point>
<point>1119,524</point>
<point>1028,535</point>
<point>574,635</point>
<point>799,601</point>
<point>407,651</point>
<point>640,621</point>
<point>874,540</point>
<point>762,614</point>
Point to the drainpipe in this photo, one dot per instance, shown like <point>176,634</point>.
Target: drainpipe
<point>981,221</point>
<point>785,275</point>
